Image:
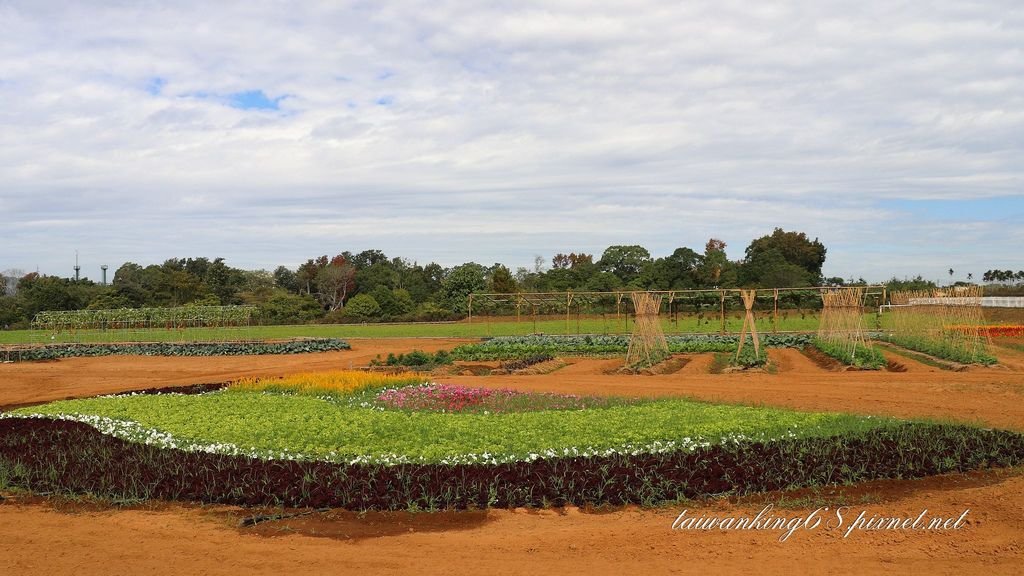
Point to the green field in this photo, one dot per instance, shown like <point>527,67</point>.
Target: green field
<point>271,424</point>
<point>479,328</point>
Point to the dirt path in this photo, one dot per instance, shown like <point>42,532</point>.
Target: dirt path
<point>698,364</point>
<point>36,539</point>
<point>589,366</point>
<point>790,360</point>
<point>74,377</point>
<point>910,364</point>
<point>1009,357</point>
<point>173,539</point>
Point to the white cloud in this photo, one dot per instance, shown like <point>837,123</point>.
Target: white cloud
<point>500,131</point>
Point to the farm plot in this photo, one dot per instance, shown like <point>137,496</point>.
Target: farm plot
<point>861,355</point>
<point>507,348</point>
<point>58,351</point>
<point>346,440</point>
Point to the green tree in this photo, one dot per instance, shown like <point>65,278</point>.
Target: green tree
<point>392,302</point>
<point>254,285</point>
<point>366,258</point>
<point>675,272</point>
<point>38,293</point>
<point>459,283</point>
<point>626,262</point>
<point>715,270</point>
<point>109,302</point>
<point>307,273</point>
<point>362,306</point>
<point>769,269</point>
<point>11,312</point>
<point>502,281</point>
<point>129,283</point>
<point>794,247</point>
<point>916,283</point>
<point>286,279</point>
<point>287,308</point>
<point>603,282</point>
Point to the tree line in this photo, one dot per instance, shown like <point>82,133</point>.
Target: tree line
<point>370,286</point>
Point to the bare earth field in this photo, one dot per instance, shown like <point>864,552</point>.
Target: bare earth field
<point>40,536</point>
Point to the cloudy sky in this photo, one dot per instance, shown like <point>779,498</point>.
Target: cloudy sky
<point>452,131</point>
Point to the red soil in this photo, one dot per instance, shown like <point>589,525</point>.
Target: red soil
<point>51,537</point>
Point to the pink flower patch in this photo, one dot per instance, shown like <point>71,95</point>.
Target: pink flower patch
<point>451,398</point>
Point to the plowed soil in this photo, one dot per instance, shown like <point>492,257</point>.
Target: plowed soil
<point>39,536</point>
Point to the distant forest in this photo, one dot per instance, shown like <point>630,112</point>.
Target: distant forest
<point>371,287</point>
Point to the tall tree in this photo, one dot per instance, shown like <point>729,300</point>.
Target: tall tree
<point>307,273</point>
<point>334,283</point>
<point>285,279</point>
<point>501,280</point>
<point>626,262</point>
<point>460,282</point>
<point>714,267</point>
<point>794,247</point>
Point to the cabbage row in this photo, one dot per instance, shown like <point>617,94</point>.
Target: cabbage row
<point>55,352</point>
<point>514,347</point>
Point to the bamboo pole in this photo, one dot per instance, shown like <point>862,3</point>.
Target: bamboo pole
<point>775,313</point>
<point>722,311</point>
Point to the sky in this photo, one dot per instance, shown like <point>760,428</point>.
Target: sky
<point>268,133</point>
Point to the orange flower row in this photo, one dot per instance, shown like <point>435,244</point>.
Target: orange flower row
<point>997,331</point>
<point>344,382</point>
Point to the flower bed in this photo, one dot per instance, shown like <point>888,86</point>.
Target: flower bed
<point>341,439</point>
<point>449,398</point>
<point>61,457</point>
<point>327,383</point>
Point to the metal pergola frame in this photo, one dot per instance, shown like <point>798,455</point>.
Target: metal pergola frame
<point>567,299</point>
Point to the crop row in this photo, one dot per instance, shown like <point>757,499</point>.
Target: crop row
<point>53,456</point>
<point>943,348</point>
<point>862,356</point>
<point>514,347</point>
<point>128,317</point>
<point>54,352</point>
<point>416,359</point>
<point>526,362</point>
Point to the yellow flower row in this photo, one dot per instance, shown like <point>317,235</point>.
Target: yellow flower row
<point>344,382</point>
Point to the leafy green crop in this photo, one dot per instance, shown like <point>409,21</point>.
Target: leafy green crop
<point>320,429</point>
<point>864,357</point>
<point>53,352</point>
<point>941,349</point>
<point>122,318</point>
<point>513,347</point>
<point>415,359</point>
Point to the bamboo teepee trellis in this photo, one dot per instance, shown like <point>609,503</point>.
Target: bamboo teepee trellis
<point>842,319</point>
<point>749,324</point>
<point>647,345</point>
<point>948,318</point>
